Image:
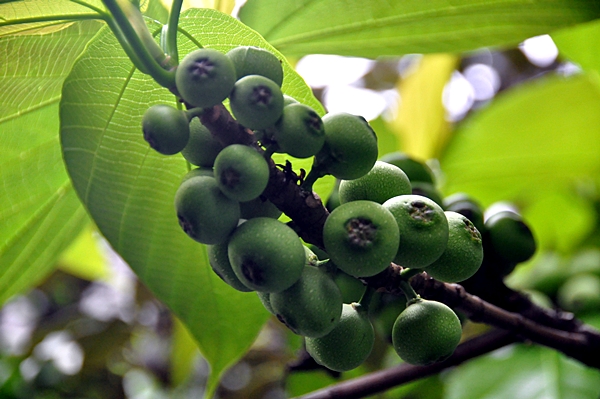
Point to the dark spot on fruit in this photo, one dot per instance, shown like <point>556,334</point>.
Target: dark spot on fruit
<point>261,95</point>
<point>230,177</point>
<point>421,211</point>
<point>202,68</point>
<point>186,225</point>
<point>470,227</point>
<point>314,123</point>
<point>361,232</point>
<point>284,321</point>
<point>148,137</point>
<point>252,272</point>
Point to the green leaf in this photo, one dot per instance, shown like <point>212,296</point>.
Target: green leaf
<point>381,27</point>
<point>580,44</point>
<point>530,141</point>
<point>84,257</point>
<point>43,16</point>
<point>524,372</point>
<point>39,209</point>
<point>33,66</point>
<point>129,188</point>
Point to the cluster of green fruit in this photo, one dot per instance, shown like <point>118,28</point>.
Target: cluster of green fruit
<point>386,211</point>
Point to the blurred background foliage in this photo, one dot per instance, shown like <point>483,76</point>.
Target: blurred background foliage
<point>513,127</point>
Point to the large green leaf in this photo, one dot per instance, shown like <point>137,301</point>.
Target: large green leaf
<point>129,189</point>
<point>380,27</point>
<point>523,372</point>
<point>39,209</point>
<point>581,44</point>
<point>530,146</point>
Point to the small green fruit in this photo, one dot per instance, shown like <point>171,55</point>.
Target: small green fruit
<point>423,230</point>
<point>202,147</point>
<point>266,255</point>
<point>299,132</point>
<point>465,205</point>
<point>251,60</point>
<point>426,332</point>
<point>241,172</point>
<point>510,237</point>
<point>427,190</point>
<point>312,306</point>
<point>464,252</point>
<point>166,129</point>
<point>361,237</point>
<point>381,183</point>
<point>348,345</point>
<point>205,77</point>
<point>219,262</point>
<point>256,102</point>
<point>259,207</point>
<point>204,213</point>
<point>416,171</point>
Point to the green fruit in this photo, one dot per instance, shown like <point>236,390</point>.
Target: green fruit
<point>423,230</point>
<point>219,262</point>
<point>198,172</point>
<point>241,172</point>
<point>467,206</point>
<point>266,255</point>
<point>361,237</point>
<point>299,132</point>
<point>352,289</point>
<point>166,129</point>
<point>202,147</point>
<point>427,190</point>
<point>264,299</point>
<point>205,77</point>
<point>348,345</point>
<point>256,102</point>
<point>464,252</point>
<point>350,149</point>
<point>288,100</point>
<point>204,213</point>
<point>259,207</point>
<point>251,60</point>
<point>312,306</point>
<point>510,237</point>
<point>426,332</point>
<point>415,170</point>
<point>383,182</point>
<point>333,201</point>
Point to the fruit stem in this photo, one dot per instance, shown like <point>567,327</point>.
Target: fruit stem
<point>270,150</point>
<point>365,300</point>
<point>193,112</point>
<point>171,35</point>
<point>315,173</point>
<point>408,290</point>
<point>407,273</point>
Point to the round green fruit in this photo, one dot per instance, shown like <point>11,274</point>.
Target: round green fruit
<point>256,102</point>
<point>423,230</point>
<point>241,172</point>
<point>265,300</point>
<point>219,262</point>
<point>350,148</point>
<point>205,77</point>
<point>381,183</point>
<point>427,190</point>
<point>198,172</point>
<point>348,345</point>
<point>299,132</point>
<point>467,206</point>
<point>426,332</point>
<point>202,147</point>
<point>464,252</point>
<point>416,171</point>
<point>510,237</point>
<point>266,255</point>
<point>259,207</point>
<point>251,60</point>
<point>361,237</point>
<point>166,129</point>
<point>204,212</point>
<point>312,306</point>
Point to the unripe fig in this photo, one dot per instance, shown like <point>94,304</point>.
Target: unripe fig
<point>361,237</point>
<point>381,183</point>
<point>510,237</point>
<point>241,172</point>
<point>202,148</point>
<point>465,205</point>
<point>266,255</point>
<point>312,306</point>
<point>198,172</point>
<point>165,128</point>
<point>204,213</point>
<point>205,77</point>
<point>259,207</point>
<point>299,132</point>
<point>427,190</point>
<point>219,262</point>
<point>256,102</point>
<point>350,148</point>
<point>348,345</point>
<point>251,60</point>
<point>426,332</point>
<point>416,171</point>
<point>423,230</point>
<point>264,299</point>
<point>463,254</point>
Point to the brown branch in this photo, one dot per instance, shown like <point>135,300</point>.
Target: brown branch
<point>383,380</point>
